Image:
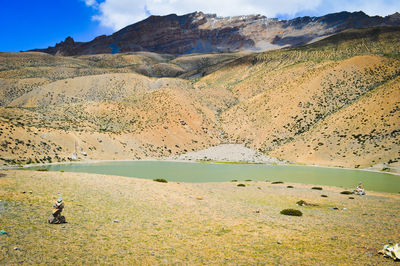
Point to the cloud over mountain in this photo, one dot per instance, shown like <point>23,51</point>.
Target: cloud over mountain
<point>117,14</point>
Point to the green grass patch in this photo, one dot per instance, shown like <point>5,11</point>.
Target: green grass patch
<point>317,188</point>
<point>161,180</point>
<point>291,212</point>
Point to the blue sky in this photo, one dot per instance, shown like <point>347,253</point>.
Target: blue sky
<point>28,24</point>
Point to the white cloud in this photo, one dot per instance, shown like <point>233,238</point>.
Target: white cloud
<point>117,14</point>
<point>92,3</point>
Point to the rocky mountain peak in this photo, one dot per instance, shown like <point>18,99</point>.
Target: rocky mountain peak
<point>205,33</point>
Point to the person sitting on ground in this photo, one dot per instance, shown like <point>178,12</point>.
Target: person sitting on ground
<point>56,217</point>
<point>359,190</point>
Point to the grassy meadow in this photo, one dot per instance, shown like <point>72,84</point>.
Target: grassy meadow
<point>118,220</point>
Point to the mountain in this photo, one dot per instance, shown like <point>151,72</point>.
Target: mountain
<point>334,102</point>
<point>205,33</point>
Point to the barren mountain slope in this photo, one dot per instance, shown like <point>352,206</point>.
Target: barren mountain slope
<point>281,112</point>
<point>106,87</point>
<point>21,73</point>
<point>283,94</point>
<point>367,131</point>
<point>161,123</point>
<point>334,102</point>
<point>205,33</point>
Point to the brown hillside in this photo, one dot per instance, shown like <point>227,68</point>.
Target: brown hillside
<point>334,102</point>
<point>364,132</point>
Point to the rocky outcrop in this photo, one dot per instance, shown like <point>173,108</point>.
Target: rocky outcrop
<point>204,33</point>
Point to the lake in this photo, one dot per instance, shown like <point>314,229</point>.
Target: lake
<point>210,172</point>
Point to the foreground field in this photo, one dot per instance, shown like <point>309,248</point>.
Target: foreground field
<point>125,220</point>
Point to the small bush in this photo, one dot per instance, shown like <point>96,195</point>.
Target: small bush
<point>351,197</point>
<point>62,171</point>
<point>317,188</point>
<point>42,169</point>
<point>301,203</point>
<point>277,182</point>
<point>346,192</point>
<point>304,203</point>
<point>289,186</point>
<point>324,196</point>
<point>161,180</point>
<point>291,212</point>
<point>241,185</point>
<point>247,180</point>
<point>234,180</point>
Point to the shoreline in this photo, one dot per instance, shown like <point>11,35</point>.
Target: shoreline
<point>193,161</point>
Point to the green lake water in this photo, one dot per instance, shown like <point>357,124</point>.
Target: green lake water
<point>209,172</point>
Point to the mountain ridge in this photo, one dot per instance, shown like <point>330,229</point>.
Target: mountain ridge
<point>206,33</point>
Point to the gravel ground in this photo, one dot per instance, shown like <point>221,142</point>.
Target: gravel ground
<point>228,153</point>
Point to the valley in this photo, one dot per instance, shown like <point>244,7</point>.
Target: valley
<point>334,102</point>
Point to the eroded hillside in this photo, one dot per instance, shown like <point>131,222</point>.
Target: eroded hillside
<point>335,102</point>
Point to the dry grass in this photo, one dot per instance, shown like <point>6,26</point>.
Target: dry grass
<point>167,224</point>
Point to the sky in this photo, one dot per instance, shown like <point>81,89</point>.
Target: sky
<point>29,24</point>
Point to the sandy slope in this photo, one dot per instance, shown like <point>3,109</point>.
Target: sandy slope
<point>228,153</point>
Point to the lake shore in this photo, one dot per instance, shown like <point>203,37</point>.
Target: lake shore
<point>225,153</point>
<point>189,161</point>
<point>115,219</point>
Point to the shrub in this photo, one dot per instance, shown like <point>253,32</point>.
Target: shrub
<point>161,180</point>
<point>346,192</point>
<point>291,212</point>
<point>241,185</point>
<point>324,196</point>
<point>277,182</point>
<point>289,186</point>
<point>351,197</point>
<point>301,203</point>
<point>42,169</point>
<point>234,180</point>
<point>317,188</point>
